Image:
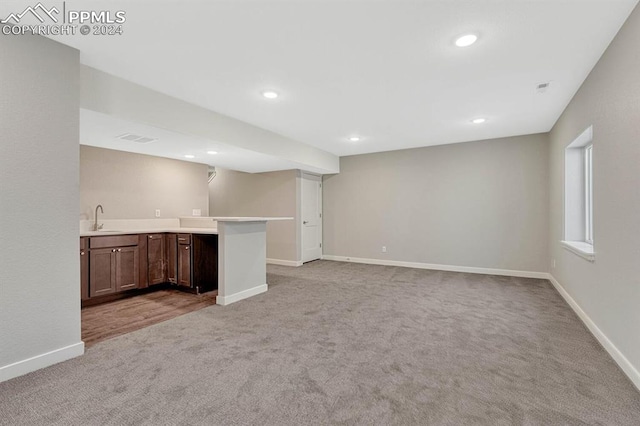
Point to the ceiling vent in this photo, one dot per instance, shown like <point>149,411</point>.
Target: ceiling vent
<point>135,138</point>
<point>542,87</point>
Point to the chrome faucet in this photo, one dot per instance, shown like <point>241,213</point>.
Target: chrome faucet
<point>97,227</point>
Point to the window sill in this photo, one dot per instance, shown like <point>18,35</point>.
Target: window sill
<point>582,249</point>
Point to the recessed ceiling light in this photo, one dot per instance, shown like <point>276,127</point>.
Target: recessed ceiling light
<point>212,152</point>
<point>270,94</point>
<point>189,156</point>
<point>466,40</point>
<point>354,138</point>
<point>478,120</point>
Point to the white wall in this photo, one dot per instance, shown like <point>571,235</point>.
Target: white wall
<point>39,260</point>
<point>479,204</point>
<point>608,290</point>
<point>233,193</point>
<point>133,186</point>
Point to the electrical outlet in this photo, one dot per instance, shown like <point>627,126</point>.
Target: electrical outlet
<point>197,212</point>
<point>384,249</point>
<point>157,212</point>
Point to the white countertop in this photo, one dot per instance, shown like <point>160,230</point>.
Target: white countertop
<point>248,219</point>
<point>108,232</point>
<point>187,225</point>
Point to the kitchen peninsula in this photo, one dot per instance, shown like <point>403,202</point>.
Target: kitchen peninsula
<point>196,253</point>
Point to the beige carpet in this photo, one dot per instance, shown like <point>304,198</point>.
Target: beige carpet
<point>339,343</point>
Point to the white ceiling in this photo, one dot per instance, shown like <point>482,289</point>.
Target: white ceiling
<point>385,70</point>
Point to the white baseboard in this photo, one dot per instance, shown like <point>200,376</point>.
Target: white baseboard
<point>449,268</point>
<point>284,262</point>
<point>40,361</point>
<point>613,351</point>
<point>226,300</point>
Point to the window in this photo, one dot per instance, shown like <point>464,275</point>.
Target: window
<point>588,193</point>
<point>578,196</point>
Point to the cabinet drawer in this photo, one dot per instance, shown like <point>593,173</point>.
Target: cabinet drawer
<point>113,241</point>
<point>184,238</point>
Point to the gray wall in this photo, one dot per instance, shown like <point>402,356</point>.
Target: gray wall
<point>133,186</point>
<point>479,204</point>
<point>234,193</point>
<point>40,283</point>
<point>608,290</point>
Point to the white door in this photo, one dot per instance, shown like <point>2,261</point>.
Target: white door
<point>311,217</point>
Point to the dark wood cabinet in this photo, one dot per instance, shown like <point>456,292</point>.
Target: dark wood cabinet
<point>171,245</point>
<point>102,263</point>
<point>156,259</point>
<point>204,262</point>
<point>192,261</point>
<point>143,269</point>
<point>113,264</point>
<point>127,264</point>
<point>84,269</point>
<point>184,260</point>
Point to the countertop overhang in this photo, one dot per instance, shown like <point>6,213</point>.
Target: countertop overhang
<point>107,232</point>
<point>182,225</point>
<point>249,219</point>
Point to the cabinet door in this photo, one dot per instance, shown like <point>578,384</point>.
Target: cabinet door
<point>156,259</point>
<point>184,265</point>
<point>172,258</point>
<point>204,261</point>
<point>127,268</point>
<point>102,264</point>
<point>84,270</point>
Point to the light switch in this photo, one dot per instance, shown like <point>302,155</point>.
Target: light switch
<point>157,212</point>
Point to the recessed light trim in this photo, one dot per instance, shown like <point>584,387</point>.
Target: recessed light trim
<point>355,138</point>
<point>212,152</point>
<point>479,120</point>
<point>189,156</point>
<point>270,94</point>
<point>466,40</point>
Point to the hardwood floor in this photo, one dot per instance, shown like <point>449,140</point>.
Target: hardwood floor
<point>101,322</point>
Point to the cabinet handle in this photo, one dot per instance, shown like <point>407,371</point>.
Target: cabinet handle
<point>113,250</point>
<point>151,237</point>
<point>119,250</point>
<point>186,248</point>
<point>82,253</point>
<point>182,239</point>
